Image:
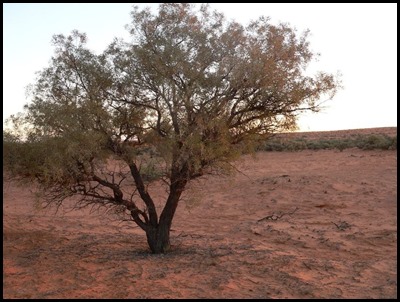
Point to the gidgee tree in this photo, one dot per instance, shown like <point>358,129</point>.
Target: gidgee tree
<point>191,88</point>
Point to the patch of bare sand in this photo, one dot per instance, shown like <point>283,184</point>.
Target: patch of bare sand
<point>310,224</point>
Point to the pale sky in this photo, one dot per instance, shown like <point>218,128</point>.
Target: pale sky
<point>357,40</point>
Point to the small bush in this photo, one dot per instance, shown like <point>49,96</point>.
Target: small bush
<point>375,141</point>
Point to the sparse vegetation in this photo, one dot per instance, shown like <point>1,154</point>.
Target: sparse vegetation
<point>361,141</point>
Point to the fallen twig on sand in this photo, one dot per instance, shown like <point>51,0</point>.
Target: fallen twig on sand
<point>276,217</point>
<point>342,225</point>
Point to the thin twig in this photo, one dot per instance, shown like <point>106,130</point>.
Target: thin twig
<point>276,217</point>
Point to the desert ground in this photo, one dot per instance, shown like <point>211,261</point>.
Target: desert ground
<point>306,224</point>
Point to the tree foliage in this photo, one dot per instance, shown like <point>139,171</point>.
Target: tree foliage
<point>191,89</point>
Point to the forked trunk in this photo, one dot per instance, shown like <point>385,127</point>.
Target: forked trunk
<point>158,239</point>
<point>158,234</point>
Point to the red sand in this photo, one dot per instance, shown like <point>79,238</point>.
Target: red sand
<point>329,231</point>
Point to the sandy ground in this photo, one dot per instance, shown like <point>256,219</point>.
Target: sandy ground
<point>309,224</point>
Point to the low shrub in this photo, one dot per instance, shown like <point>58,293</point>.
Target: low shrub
<point>364,142</point>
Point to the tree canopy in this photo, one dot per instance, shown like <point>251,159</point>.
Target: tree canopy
<point>188,94</point>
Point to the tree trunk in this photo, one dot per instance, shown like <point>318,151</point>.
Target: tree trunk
<point>158,233</point>
<point>158,238</point>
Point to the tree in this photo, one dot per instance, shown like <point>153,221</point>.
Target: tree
<point>186,96</point>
